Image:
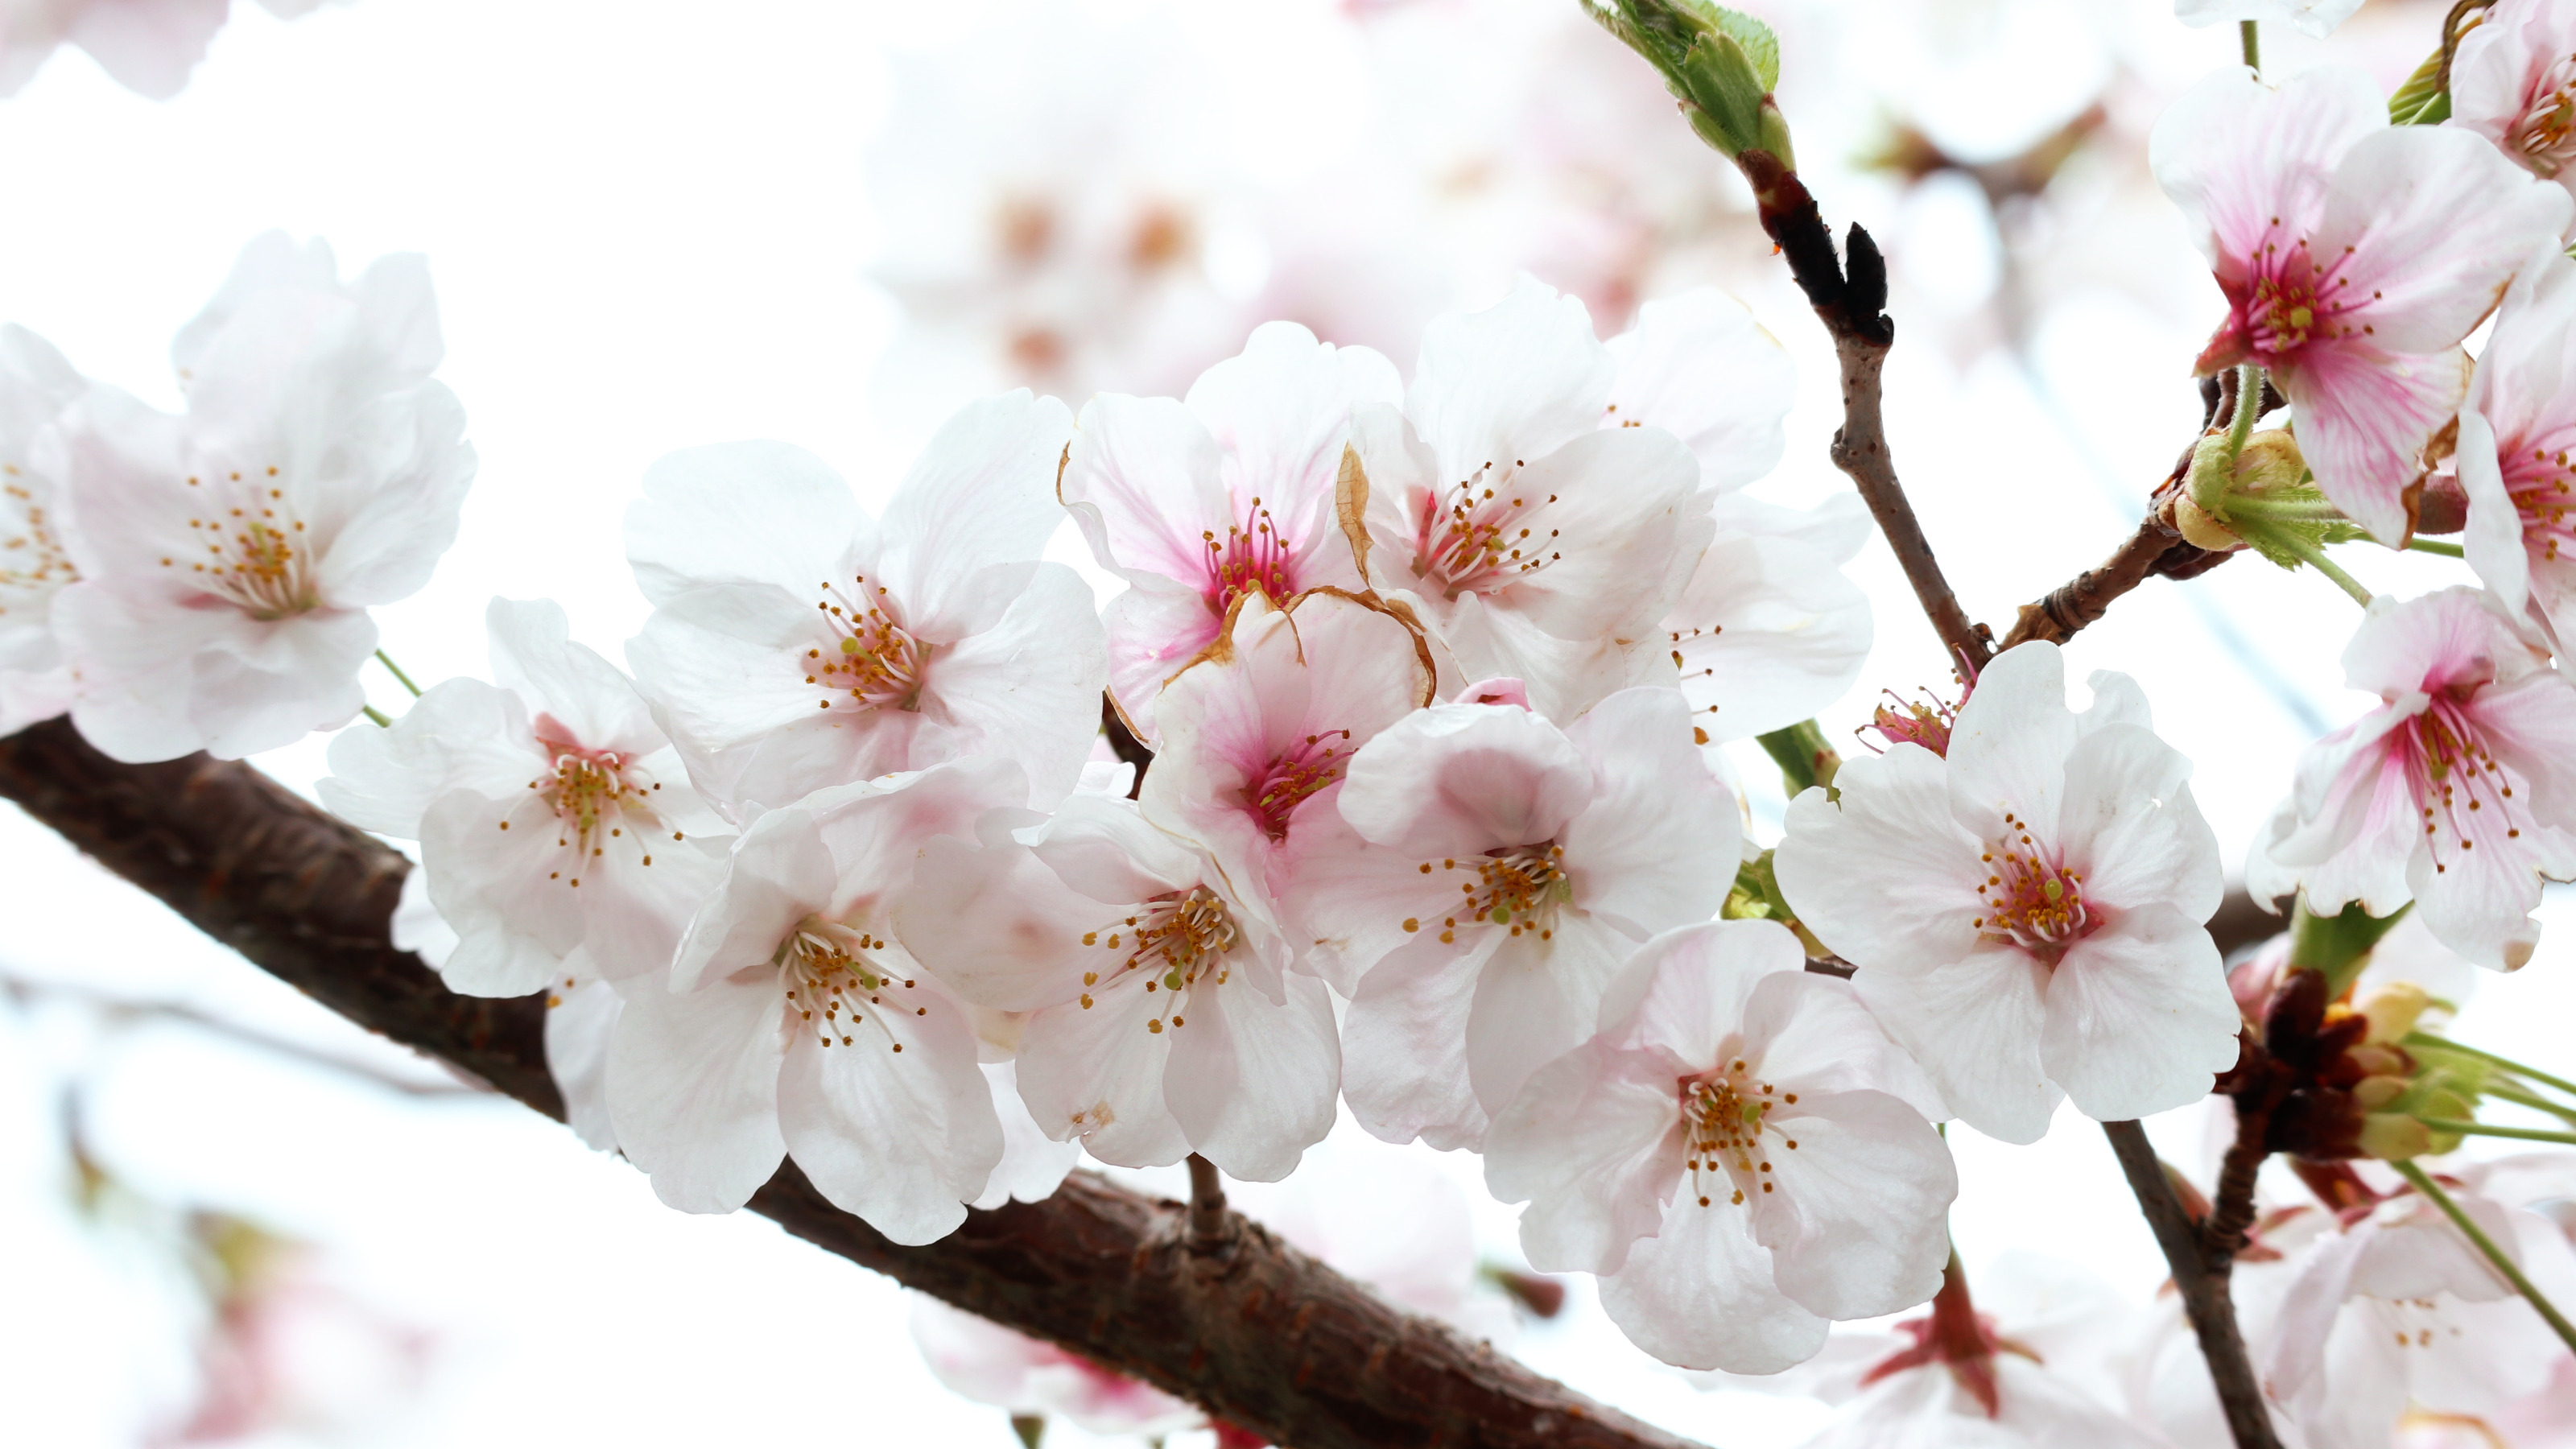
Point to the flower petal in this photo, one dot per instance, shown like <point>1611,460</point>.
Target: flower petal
<point>2139,1016</point>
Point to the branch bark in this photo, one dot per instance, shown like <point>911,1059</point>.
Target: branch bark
<point>1261,1336</point>
<point>2206,1301</point>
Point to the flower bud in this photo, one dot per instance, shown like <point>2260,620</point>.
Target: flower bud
<point>1720,62</point>
<point>2393,1009</point>
<point>2392,1137</point>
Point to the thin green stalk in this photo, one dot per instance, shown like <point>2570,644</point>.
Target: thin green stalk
<point>2429,545</point>
<point>2249,402</point>
<point>2255,505</point>
<point>2443,1043</point>
<point>387,661</point>
<point>2315,558</point>
<point>2250,41</point>
<point>377,715</point>
<point>2465,1128</point>
<point>2512,1272</point>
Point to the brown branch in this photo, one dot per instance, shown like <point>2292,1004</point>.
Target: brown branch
<point>2206,1300</point>
<point>1261,1336</point>
<point>2062,612</point>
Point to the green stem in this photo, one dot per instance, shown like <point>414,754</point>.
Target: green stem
<point>2512,1272</point>
<point>2337,946</point>
<point>2462,1127</point>
<point>2428,545</point>
<point>1805,760</point>
<point>2255,505</point>
<point>387,661</point>
<point>2315,558</point>
<point>2443,1043</point>
<point>377,715</point>
<point>2249,400</point>
<point>2250,41</point>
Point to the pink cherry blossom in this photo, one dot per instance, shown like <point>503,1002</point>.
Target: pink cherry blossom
<point>146,46</point>
<point>2354,257</point>
<point>981,1360</point>
<point>793,1023</point>
<point>228,557</point>
<point>1530,540</point>
<point>2027,914</point>
<point>2454,792</point>
<point>1165,1018</point>
<point>2513,81</point>
<point>1486,877</point>
<point>36,384</point>
<point>1741,1153</point>
<point>796,644</point>
<point>1199,502</point>
<point>2515,432</point>
<point>1259,729</point>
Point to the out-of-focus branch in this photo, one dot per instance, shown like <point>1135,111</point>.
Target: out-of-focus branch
<point>1261,1336</point>
<point>2206,1300</point>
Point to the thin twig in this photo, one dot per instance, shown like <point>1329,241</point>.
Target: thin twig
<point>2206,1300</point>
<point>2064,611</point>
<point>1211,1226</point>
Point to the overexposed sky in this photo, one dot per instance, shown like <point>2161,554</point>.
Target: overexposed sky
<point>647,226</point>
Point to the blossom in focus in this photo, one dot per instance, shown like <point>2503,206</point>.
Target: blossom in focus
<point>1529,539</point>
<point>2315,19</point>
<point>2027,913</point>
<point>553,815</point>
<point>2453,793</point>
<point>793,1023</point>
<point>228,556</point>
<point>1487,876</point>
<point>1740,1153</point>
<point>2513,81</point>
<point>1165,1017</point>
<point>2515,431</point>
<point>1200,502</point>
<point>796,644</point>
<point>2354,256</point>
<point>36,384</point>
<point>1259,729</point>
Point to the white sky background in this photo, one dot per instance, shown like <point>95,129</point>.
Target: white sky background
<point>647,226</point>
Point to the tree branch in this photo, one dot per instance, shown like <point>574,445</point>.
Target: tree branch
<point>1262,1336</point>
<point>2206,1301</point>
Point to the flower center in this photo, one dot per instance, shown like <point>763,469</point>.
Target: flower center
<point>2544,139</point>
<point>256,554</point>
<point>831,980</point>
<point>2031,900</point>
<point>1472,540</point>
<point>1294,774</point>
<point>2540,487</point>
<point>2463,791</point>
<point>1724,1116</point>
<point>867,660</point>
<point>1247,558</point>
<point>596,795</point>
<point>1175,941</point>
<point>1520,886</point>
<point>2293,300</point>
<point>32,561</point>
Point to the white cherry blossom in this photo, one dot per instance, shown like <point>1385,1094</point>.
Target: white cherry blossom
<point>793,1024</point>
<point>2027,914</point>
<point>1260,727</point>
<point>2315,19</point>
<point>2515,430</point>
<point>978,1359</point>
<point>1165,1018</point>
<point>1530,539</point>
<point>796,644</point>
<point>2513,81</point>
<point>36,384</point>
<point>1228,491</point>
<point>1488,874</point>
<point>2453,793</point>
<point>228,557</point>
<point>553,815</point>
<point>1740,1153</point>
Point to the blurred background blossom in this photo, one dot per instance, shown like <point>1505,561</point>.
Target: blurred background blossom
<point>834,225</point>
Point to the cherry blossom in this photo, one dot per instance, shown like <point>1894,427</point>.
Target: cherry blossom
<point>1259,729</point>
<point>981,1360</point>
<point>2513,81</point>
<point>2354,256</point>
<point>1741,1153</point>
<point>793,1023</point>
<point>2452,793</point>
<point>146,46</point>
<point>796,644</point>
<point>2513,430</point>
<point>36,384</point>
<point>228,557</point>
<point>2027,913</point>
<point>1229,491</point>
<point>1487,876</point>
<point>1532,541</point>
<point>1164,1018</point>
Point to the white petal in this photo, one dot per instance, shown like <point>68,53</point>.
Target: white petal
<point>1886,875</point>
<point>2139,1016</point>
<point>2008,750</point>
<point>1097,1073</point>
<point>741,513</point>
<point>581,1020</point>
<point>693,1088</point>
<point>1535,1001</point>
<point>1252,1083</point>
<point>1975,1025</point>
<point>1769,633</point>
<point>1404,1045</point>
<point>982,493</point>
<point>1698,366</point>
<point>1516,380</point>
<point>1033,1165</point>
<point>1458,778</point>
<point>1859,1225</point>
<point>1593,1145</point>
<point>1654,847</point>
<point>901,1138</point>
<point>2129,827</point>
<point>1700,1295</point>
